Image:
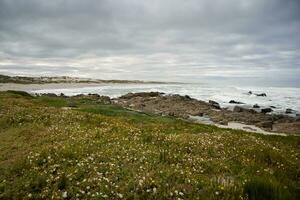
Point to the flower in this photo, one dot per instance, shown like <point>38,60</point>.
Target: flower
<point>65,194</point>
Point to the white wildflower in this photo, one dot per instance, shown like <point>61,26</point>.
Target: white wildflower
<point>65,194</point>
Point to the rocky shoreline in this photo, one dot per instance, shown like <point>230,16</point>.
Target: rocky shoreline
<point>188,108</point>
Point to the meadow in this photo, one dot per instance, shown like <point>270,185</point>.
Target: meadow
<point>66,148</point>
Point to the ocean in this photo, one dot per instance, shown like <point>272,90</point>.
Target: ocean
<point>280,98</point>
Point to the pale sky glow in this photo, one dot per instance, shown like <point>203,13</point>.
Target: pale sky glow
<point>170,40</point>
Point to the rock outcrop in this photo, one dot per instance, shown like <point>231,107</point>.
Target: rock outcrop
<point>185,106</point>
<point>235,102</point>
<point>214,104</point>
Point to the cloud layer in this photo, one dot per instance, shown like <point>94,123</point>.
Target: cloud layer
<point>173,40</point>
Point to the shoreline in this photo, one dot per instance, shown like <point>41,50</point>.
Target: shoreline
<point>183,107</point>
<point>37,86</point>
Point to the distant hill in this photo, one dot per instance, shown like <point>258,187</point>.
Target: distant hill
<point>64,79</point>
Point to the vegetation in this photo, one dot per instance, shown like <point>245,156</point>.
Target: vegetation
<point>95,151</point>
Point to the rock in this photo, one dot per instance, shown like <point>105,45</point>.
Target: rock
<point>188,97</point>
<point>141,94</point>
<point>256,106</point>
<point>62,95</point>
<point>49,95</point>
<point>250,92</point>
<point>104,99</point>
<point>289,111</point>
<point>266,110</point>
<point>214,104</point>
<point>272,107</point>
<point>235,102</point>
<point>266,124</point>
<point>261,95</point>
<point>239,109</point>
<point>93,95</point>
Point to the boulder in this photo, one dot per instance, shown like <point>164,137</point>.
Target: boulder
<point>141,94</point>
<point>250,92</point>
<point>235,102</point>
<point>261,95</point>
<point>93,95</point>
<point>239,109</point>
<point>289,111</point>
<point>49,95</point>
<point>188,97</point>
<point>214,104</point>
<point>62,95</point>
<point>256,106</point>
<point>266,110</point>
<point>104,99</point>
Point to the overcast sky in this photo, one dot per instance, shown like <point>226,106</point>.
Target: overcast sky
<point>174,40</point>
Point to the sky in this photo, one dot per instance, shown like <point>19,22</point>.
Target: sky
<point>229,41</point>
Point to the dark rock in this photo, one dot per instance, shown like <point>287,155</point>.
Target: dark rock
<point>266,110</point>
<point>94,95</point>
<point>214,104</point>
<point>272,107</point>
<point>235,102</point>
<point>289,111</point>
<point>187,97</point>
<point>141,94</point>
<point>250,92</point>
<point>239,109</point>
<point>49,95</point>
<point>261,95</point>
<point>256,106</point>
<point>104,99</point>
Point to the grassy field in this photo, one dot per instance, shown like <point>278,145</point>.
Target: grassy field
<point>96,151</point>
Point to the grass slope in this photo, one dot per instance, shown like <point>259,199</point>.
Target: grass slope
<point>100,151</point>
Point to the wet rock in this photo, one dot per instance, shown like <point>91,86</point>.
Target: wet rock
<point>141,94</point>
<point>256,106</point>
<point>266,110</point>
<point>261,95</point>
<point>188,97</point>
<point>214,104</point>
<point>183,107</point>
<point>94,95</point>
<point>235,102</point>
<point>289,111</point>
<point>62,95</point>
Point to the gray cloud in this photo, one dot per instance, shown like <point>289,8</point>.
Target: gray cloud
<point>161,39</point>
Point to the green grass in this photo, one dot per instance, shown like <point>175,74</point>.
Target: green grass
<point>96,151</point>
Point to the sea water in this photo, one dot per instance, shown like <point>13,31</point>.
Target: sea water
<point>280,98</point>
